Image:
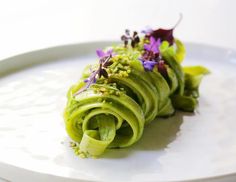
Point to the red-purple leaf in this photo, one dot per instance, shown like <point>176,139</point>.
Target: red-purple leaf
<point>162,68</point>
<point>164,34</point>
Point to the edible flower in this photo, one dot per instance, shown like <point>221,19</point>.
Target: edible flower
<point>127,36</point>
<point>102,54</point>
<point>148,65</point>
<point>153,46</point>
<point>104,62</point>
<point>151,55</point>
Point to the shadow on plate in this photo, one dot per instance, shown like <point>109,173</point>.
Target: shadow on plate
<point>156,137</point>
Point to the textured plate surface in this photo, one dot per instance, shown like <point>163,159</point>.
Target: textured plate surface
<point>188,146</point>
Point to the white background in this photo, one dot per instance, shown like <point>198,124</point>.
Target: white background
<point>28,24</point>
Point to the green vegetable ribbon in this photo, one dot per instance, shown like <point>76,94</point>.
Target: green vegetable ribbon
<point>112,112</point>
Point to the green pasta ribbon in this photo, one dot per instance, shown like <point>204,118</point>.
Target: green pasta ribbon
<point>119,97</point>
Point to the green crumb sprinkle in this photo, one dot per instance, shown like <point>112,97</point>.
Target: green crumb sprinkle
<point>125,74</point>
<point>77,150</point>
<point>102,89</point>
<point>82,155</point>
<point>115,70</point>
<point>117,93</point>
<point>120,66</point>
<point>73,144</point>
<point>111,92</point>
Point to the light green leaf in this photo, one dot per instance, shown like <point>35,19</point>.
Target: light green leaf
<point>196,70</point>
<point>180,51</point>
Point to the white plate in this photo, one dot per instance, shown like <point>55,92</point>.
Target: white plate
<point>34,145</point>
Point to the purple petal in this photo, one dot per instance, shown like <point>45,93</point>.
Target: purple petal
<point>155,49</point>
<point>94,80</point>
<point>141,59</point>
<point>86,80</point>
<point>152,40</point>
<point>110,53</point>
<point>154,45</point>
<point>100,53</point>
<point>148,65</point>
<point>158,42</point>
<point>147,47</point>
<point>147,31</point>
<point>157,45</point>
<point>143,31</point>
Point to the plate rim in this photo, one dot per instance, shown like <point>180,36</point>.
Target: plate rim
<point>214,46</point>
<point>225,176</point>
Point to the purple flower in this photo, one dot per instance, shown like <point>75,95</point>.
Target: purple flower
<point>102,54</point>
<point>90,79</point>
<point>153,46</point>
<point>147,31</point>
<point>134,39</point>
<point>148,65</point>
<point>86,80</point>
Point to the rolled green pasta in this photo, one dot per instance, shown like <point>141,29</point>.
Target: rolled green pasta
<point>128,88</point>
